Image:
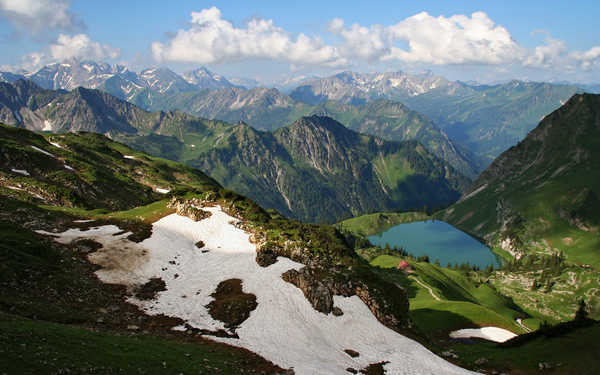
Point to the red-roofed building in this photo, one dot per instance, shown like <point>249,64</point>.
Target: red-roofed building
<point>405,267</point>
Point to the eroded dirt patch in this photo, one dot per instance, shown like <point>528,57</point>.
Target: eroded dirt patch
<point>120,257</point>
<point>231,305</point>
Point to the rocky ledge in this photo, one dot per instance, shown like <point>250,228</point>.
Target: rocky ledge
<point>190,208</point>
<point>319,287</point>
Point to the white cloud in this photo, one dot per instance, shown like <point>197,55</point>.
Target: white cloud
<point>421,38</point>
<point>589,58</point>
<point>432,40</point>
<point>211,39</point>
<point>35,16</point>
<point>79,46</point>
<point>550,55</point>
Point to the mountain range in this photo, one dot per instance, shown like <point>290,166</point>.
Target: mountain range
<point>119,80</point>
<point>483,120</point>
<point>315,169</point>
<point>486,119</point>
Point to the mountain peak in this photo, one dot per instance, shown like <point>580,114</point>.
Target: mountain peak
<point>321,122</point>
<point>204,78</point>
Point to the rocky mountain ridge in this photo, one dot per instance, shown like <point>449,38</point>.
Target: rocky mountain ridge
<point>118,80</point>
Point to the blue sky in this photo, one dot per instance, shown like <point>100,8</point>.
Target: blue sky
<point>467,40</point>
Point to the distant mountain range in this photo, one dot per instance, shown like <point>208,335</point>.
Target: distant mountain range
<point>473,123</point>
<point>485,119</point>
<point>315,169</point>
<point>119,81</point>
<point>264,109</point>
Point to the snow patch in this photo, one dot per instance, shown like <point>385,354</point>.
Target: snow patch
<point>47,125</point>
<point>284,328</point>
<point>488,333</point>
<point>69,167</point>
<point>42,151</point>
<point>83,221</point>
<point>56,144</point>
<point>163,191</point>
<point>129,157</point>
<point>21,171</point>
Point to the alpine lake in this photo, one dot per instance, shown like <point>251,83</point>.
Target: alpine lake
<point>438,240</point>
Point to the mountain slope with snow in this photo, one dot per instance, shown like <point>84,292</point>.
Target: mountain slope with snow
<point>284,328</point>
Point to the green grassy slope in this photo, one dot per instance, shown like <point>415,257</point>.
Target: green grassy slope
<point>444,299</point>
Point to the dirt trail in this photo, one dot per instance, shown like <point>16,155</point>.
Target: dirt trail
<point>426,287</point>
<point>520,323</point>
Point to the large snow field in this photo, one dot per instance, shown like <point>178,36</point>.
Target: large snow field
<point>284,328</point>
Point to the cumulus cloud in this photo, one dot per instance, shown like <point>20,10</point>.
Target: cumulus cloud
<point>211,39</point>
<point>423,38</point>
<point>587,59</point>
<point>35,16</point>
<point>550,55</point>
<point>67,47</point>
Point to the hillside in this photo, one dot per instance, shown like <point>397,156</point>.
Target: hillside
<point>537,205</point>
<point>73,268</point>
<point>269,167</point>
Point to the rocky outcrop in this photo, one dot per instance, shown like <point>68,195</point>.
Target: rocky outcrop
<point>320,286</point>
<point>190,208</point>
<point>317,291</point>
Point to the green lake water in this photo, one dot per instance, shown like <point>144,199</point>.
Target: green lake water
<point>438,240</point>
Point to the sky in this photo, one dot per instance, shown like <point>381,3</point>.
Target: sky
<point>484,41</point>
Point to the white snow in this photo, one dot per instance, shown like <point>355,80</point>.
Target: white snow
<point>162,191</point>
<point>42,151</point>
<point>284,328</point>
<point>82,221</point>
<point>18,116</point>
<point>129,156</point>
<point>21,171</point>
<point>47,125</point>
<point>56,144</point>
<point>488,333</point>
<point>69,167</point>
